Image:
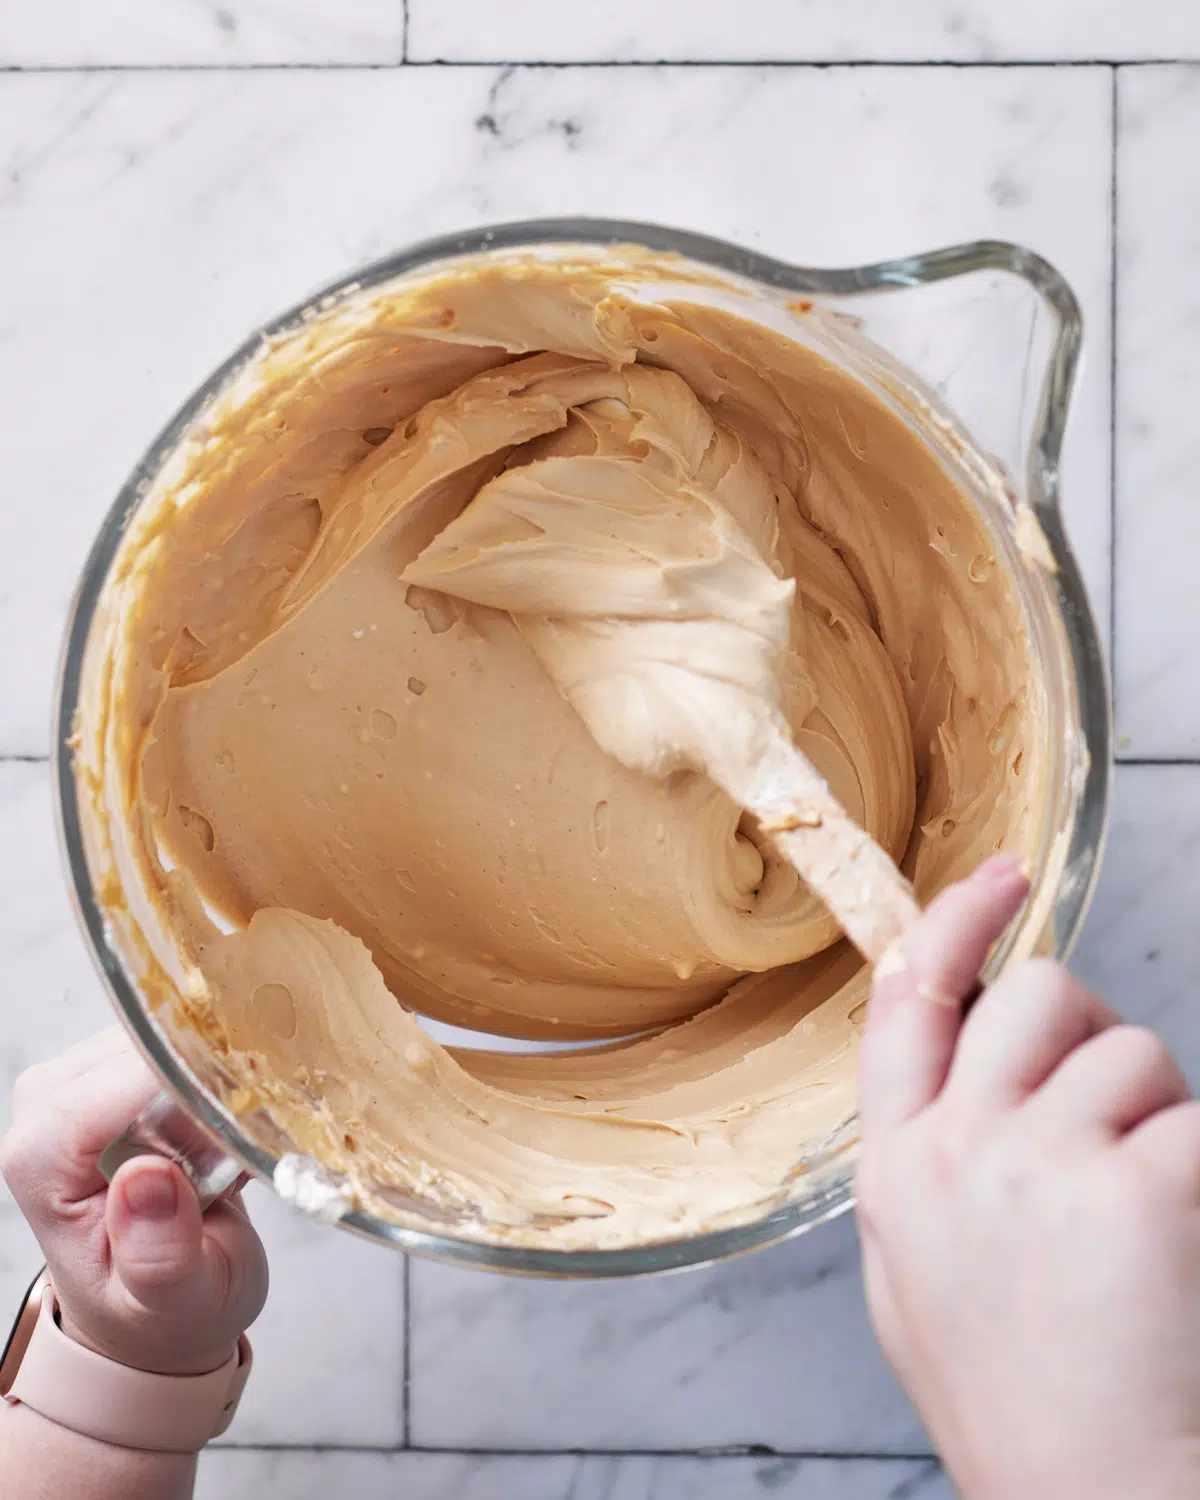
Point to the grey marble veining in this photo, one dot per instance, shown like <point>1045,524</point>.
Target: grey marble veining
<point>329,1349</point>
<point>801,30</point>
<point>148,221</point>
<point>1138,950</point>
<point>444,1476</point>
<point>149,218</point>
<point>200,33</point>
<point>1158,387</point>
<point>771,1349</point>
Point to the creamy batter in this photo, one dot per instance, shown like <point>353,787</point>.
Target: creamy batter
<point>412,684</point>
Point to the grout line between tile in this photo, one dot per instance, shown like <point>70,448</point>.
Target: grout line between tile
<point>404,34</point>
<point>1145,761</point>
<point>746,1450</point>
<point>11,758</point>
<point>819,65</point>
<point>802,62</point>
<point>749,1450</point>
<point>406,1359</point>
<point>1114,126</point>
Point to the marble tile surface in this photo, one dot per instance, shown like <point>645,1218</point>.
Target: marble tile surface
<point>800,30</point>
<point>200,33</point>
<point>1138,949</point>
<point>186,168</point>
<point>772,1349</point>
<point>469,1476</point>
<point>330,1347</point>
<point>148,220</point>
<point>52,997</point>
<point>1158,387</point>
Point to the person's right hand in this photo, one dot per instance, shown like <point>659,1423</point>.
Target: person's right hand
<point>1029,1200</point>
<point>140,1275</point>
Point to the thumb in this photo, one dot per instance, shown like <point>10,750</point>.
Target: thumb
<point>156,1234</point>
<point>915,1013</point>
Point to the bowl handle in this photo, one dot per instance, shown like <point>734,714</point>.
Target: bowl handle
<point>164,1129</point>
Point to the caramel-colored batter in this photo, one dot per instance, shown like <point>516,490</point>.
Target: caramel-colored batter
<point>416,679</point>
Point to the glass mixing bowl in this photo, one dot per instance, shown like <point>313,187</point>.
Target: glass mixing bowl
<point>979,346</point>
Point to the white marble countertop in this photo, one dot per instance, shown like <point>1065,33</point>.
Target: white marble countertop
<point>174,171</point>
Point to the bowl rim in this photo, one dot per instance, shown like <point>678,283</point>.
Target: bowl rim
<point>832,1197</point>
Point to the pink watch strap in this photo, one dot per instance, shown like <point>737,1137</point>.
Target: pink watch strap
<point>82,1390</point>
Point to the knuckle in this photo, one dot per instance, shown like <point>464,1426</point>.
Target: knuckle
<point>35,1156</point>
<point>1186,1146</point>
<point>1171,1138</point>
<point>1053,1000</point>
<point>1049,978</point>
<point>26,1085</point>
<point>1141,1195</point>
<point>1036,991</point>
<point>1140,1046</point>
<point>1138,1053</point>
<point>1189,1123</point>
<point>15,1155</point>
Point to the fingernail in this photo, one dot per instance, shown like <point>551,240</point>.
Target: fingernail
<point>151,1195</point>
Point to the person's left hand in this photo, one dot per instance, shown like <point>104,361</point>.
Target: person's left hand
<point>141,1275</point>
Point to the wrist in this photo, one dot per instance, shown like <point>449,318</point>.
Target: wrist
<point>152,1357</point>
<point>41,1457</point>
<point>74,1384</point>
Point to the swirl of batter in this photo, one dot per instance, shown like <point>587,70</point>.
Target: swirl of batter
<point>412,676</point>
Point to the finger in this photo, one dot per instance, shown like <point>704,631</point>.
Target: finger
<point>1108,1085</point>
<point>50,1158</point>
<point>1166,1146</point>
<point>170,1258</point>
<point>154,1227</point>
<point>948,947</point>
<point>43,1080</point>
<point>1023,1027</point>
<point>230,1236</point>
<point>915,1013</point>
